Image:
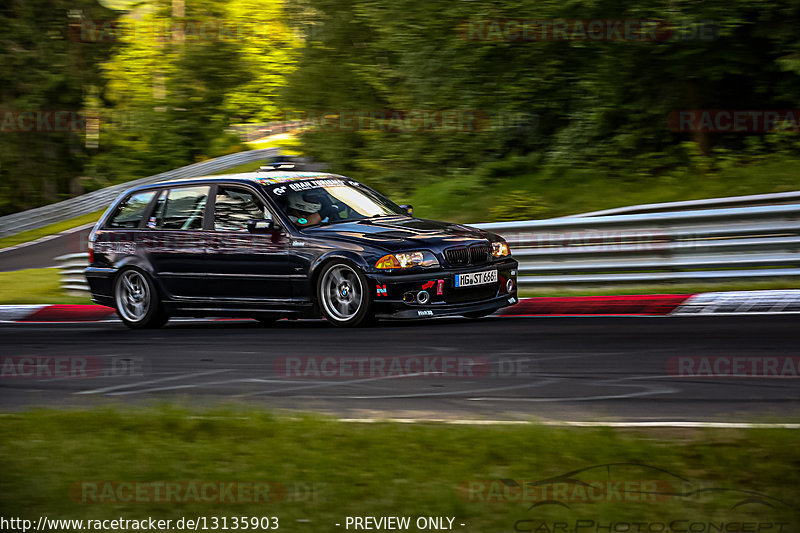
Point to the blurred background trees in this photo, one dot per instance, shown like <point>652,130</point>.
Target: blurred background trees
<point>553,114</point>
<point>177,81</point>
<point>601,105</point>
<point>41,70</point>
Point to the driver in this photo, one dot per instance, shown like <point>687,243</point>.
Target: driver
<point>303,209</point>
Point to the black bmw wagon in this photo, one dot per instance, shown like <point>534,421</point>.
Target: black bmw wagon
<point>286,244</point>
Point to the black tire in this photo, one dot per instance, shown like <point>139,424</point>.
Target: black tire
<point>343,295</point>
<point>137,301</point>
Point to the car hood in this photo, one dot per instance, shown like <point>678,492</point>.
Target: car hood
<point>400,233</point>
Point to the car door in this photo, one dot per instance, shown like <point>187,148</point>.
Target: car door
<point>175,242</point>
<point>243,265</point>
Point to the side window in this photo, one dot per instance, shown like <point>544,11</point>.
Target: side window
<point>180,208</point>
<point>130,212</point>
<point>234,206</point>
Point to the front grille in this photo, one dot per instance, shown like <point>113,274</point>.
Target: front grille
<point>479,253</point>
<point>457,256</point>
<point>462,255</point>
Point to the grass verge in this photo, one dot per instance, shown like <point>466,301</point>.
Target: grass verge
<point>35,286</point>
<point>545,194</point>
<point>54,461</point>
<point>51,229</point>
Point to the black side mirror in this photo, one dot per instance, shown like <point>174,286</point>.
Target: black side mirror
<point>408,209</point>
<point>262,226</point>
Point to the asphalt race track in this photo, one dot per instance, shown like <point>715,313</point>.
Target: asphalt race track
<point>42,253</point>
<point>554,368</point>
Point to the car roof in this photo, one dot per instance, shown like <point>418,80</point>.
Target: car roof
<point>270,177</point>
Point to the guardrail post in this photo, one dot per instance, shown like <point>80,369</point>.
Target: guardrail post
<point>71,267</point>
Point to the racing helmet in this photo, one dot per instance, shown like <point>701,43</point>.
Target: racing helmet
<point>303,201</point>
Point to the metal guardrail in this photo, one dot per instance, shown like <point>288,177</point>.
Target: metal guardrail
<point>636,244</point>
<point>93,201</point>
<point>751,200</point>
<point>743,243</point>
<point>71,267</point>
<point>746,243</point>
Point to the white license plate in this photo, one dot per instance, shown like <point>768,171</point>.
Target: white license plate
<point>476,278</point>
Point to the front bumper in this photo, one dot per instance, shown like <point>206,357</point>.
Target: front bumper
<point>445,299</point>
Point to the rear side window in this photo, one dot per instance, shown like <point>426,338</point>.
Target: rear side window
<point>234,207</point>
<point>181,208</point>
<point>130,212</point>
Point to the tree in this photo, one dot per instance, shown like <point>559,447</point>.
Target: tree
<point>175,84</point>
<point>43,71</point>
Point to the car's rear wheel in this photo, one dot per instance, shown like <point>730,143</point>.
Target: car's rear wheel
<point>137,301</point>
<point>343,296</point>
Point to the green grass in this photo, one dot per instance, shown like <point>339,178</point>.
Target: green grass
<point>35,286</point>
<point>245,167</point>
<point>550,194</point>
<point>51,229</point>
<point>383,469</point>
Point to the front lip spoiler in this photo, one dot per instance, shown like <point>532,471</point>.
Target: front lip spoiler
<point>428,311</point>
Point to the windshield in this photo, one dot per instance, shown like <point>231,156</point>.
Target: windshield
<point>330,200</point>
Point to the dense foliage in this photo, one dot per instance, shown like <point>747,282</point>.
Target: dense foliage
<point>602,104</point>
<point>166,98</point>
<point>163,87</point>
<point>41,69</point>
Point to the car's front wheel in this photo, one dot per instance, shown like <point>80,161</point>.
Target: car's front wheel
<point>137,301</point>
<point>343,296</point>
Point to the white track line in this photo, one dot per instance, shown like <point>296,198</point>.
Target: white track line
<point>564,423</point>
<point>150,382</point>
<point>13,313</point>
<point>541,383</point>
<point>552,423</point>
<point>326,384</point>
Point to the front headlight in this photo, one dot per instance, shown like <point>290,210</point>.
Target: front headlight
<point>407,260</point>
<point>500,249</point>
